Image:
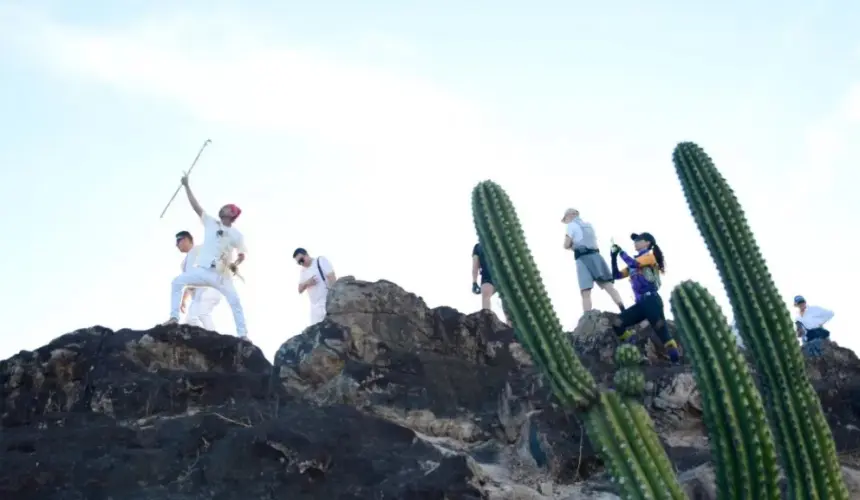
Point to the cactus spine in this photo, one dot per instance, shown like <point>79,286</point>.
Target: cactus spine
<point>804,439</point>
<point>620,427</point>
<point>741,441</point>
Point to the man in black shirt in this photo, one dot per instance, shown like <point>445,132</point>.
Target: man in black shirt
<point>486,288</point>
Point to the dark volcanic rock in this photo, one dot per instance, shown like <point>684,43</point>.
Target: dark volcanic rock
<point>461,379</point>
<point>302,452</point>
<point>385,399</point>
<point>465,382</point>
<point>181,413</point>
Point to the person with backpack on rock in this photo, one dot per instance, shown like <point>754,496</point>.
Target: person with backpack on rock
<point>479,266</point>
<point>317,276</point>
<point>214,265</point>
<point>203,298</point>
<point>810,320</point>
<point>591,267</point>
<point>644,271</point>
<point>486,289</point>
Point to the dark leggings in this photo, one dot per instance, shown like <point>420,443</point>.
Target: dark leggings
<point>817,333</point>
<point>649,307</point>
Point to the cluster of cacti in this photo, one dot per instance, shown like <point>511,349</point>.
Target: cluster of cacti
<point>807,450</point>
<point>619,427</point>
<point>744,451</point>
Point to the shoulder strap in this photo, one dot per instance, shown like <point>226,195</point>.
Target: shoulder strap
<point>322,275</point>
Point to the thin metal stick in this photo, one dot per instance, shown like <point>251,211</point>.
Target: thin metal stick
<point>187,174</point>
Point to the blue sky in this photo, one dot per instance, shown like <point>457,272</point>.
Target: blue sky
<point>357,130</point>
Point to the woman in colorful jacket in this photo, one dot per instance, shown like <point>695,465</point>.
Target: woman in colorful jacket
<point>644,271</point>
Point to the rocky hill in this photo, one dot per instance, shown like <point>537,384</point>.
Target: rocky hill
<point>385,399</point>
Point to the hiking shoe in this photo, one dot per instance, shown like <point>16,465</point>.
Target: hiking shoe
<point>629,337</point>
<point>674,355</point>
<point>171,321</point>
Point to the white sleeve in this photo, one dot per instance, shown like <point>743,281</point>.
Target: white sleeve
<point>326,265</point>
<point>240,243</point>
<point>824,315</point>
<point>205,218</point>
<point>575,232</point>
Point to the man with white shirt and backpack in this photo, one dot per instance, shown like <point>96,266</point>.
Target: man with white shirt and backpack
<point>810,320</point>
<point>203,298</point>
<point>591,267</point>
<point>317,276</point>
<point>214,264</point>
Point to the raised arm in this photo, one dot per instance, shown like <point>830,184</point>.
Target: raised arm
<point>191,199</point>
<point>646,259</point>
<point>615,272</point>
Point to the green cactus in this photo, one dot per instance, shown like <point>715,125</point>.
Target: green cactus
<point>804,439</point>
<point>741,441</point>
<point>629,379</point>
<point>744,450</point>
<point>620,427</point>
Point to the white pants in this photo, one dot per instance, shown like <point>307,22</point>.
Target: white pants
<point>317,312</point>
<point>199,276</point>
<point>203,302</point>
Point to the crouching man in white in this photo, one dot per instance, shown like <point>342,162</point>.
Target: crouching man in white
<point>316,276</point>
<point>203,298</point>
<point>214,261</point>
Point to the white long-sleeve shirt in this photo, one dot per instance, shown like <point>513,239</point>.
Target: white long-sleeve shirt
<point>814,317</point>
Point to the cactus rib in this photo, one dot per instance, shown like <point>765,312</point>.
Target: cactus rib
<point>744,451</point>
<point>807,449</point>
<point>638,463</point>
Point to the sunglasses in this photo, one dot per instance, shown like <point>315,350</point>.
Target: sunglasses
<point>301,261</point>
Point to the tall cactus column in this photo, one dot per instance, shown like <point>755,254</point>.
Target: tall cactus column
<point>621,430</point>
<point>803,436</point>
<point>744,452</point>
<point>521,288</point>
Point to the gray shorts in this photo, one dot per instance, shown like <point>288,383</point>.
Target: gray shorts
<point>592,268</point>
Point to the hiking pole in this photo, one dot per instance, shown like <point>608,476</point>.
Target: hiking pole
<point>186,174</point>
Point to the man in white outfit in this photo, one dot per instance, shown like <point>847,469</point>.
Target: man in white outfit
<point>810,320</point>
<point>203,298</point>
<point>214,264</point>
<point>317,276</point>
